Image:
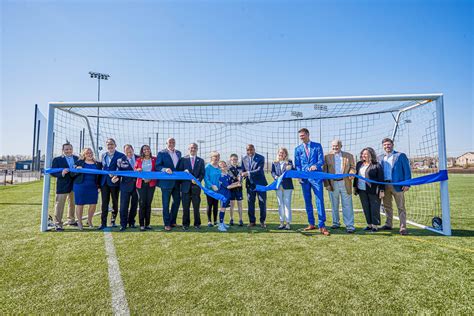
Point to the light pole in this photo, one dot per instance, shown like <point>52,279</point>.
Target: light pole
<point>408,134</point>
<point>99,76</point>
<point>298,115</point>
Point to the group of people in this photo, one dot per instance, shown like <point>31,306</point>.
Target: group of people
<point>227,178</point>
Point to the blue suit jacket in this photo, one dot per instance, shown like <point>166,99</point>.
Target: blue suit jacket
<point>287,183</point>
<point>316,157</point>
<point>63,184</point>
<point>256,170</point>
<point>198,171</point>
<point>112,167</point>
<point>401,168</point>
<point>163,160</point>
<point>127,184</point>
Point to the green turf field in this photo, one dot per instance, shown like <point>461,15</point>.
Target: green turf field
<point>243,271</point>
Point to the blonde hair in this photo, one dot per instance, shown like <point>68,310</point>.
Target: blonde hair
<point>214,153</point>
<point>286,154</point>
<point>82,155</point>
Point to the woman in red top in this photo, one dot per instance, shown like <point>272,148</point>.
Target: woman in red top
<point>145,188</point>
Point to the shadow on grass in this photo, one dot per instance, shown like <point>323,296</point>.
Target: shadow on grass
<point>271,229</point>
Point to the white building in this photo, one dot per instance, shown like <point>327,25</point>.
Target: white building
<point>465,159</point>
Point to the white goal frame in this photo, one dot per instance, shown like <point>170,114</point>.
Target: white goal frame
<point>437,97</point>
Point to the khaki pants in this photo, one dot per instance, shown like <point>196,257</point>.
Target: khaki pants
<point>400,201</point>
<point>59,208</point>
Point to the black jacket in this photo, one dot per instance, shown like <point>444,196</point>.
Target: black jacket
<point>63,184</point>
<point>373,172</point>
<point>287,183</point>
<point>79,177</point>
<point>198,171</point>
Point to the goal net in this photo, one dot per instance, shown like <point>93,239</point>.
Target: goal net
<point>415,122</point>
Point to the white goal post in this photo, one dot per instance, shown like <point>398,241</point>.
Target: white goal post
<point>414,121</point>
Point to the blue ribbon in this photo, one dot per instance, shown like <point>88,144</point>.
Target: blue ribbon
<point>441,175</point>
<point>149,175</point>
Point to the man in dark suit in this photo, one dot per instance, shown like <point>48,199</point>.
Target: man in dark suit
<point>128,191</point>
<point>64,186</point>
<point>109,188</point>
<point>190,190</point>
<point>253,166</point>
<point>167,161</point>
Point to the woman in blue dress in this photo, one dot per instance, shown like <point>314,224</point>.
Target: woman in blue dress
<point>86,186</point>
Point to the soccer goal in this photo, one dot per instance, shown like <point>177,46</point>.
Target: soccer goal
<point>415,122</point>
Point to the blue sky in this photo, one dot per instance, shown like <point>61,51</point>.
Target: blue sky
<point>158,50</point>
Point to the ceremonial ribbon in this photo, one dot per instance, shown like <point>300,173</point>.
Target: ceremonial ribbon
<point>150,175</point>
<point>441,175</point>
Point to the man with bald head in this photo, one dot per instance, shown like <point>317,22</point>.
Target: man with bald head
<point>167,161</point>
<point>253,166</point>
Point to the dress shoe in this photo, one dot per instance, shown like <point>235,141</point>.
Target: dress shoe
<point>251,225</point>
<point>404,232</point>
<point>324,231</point>
<point>310,227</point>
<point>174,225</point>
<point>385,227</point>
<point>167,228</point>
<point>122,229</point>
<point>148,227</point>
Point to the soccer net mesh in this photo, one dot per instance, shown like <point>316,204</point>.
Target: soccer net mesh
<point>227,127</point>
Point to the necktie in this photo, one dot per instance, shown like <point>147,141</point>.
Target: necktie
<point>306,149</point>
<point>192,162</point>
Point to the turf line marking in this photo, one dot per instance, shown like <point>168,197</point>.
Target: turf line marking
<point>442,246</point>
<point>119,299</point>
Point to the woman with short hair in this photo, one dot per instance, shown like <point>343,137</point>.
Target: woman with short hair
<point>86,186</point>
<point>211,181</point>
<point>284,193</point>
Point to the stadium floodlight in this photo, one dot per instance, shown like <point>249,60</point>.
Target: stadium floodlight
<point>229,125</point>
<point>98,76</point>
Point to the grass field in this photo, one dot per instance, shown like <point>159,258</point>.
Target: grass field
<point>243,271</point>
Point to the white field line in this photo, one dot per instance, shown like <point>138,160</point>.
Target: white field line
<point>119,299</point>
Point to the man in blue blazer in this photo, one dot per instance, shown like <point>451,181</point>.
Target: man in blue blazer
<point>128,191</point>
<point>167,161</point>
<point>253,166</point>
<point>64,185</point>
<point>190,190</point>
<point>396,168</point>
<point>109,188</point>
<point>309,157</point>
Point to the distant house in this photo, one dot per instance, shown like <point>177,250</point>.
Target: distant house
<point>451,162</point>
<point>465,159</point>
